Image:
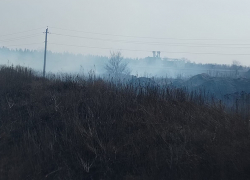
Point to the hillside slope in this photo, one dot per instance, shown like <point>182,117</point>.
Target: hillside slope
<point>219,86</point>
<point>79,128</point>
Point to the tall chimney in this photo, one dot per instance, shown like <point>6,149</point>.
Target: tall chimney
<point>153,53</point>
<point>158,54</point>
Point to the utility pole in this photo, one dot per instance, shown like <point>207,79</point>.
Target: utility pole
<point>45,52</point>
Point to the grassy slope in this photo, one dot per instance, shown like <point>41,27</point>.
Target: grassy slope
<point>90,129</point>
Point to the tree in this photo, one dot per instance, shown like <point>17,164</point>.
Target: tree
<point>116,66</point>
<point>236,67</point>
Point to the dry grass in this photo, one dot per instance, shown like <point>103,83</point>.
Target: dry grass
<point>79,128</point>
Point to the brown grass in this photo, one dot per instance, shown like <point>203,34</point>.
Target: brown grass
<point>80,128</point>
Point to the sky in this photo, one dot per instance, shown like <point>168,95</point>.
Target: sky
<point>202,31</point>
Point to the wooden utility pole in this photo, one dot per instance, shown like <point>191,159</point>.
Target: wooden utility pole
<point>45,52</point>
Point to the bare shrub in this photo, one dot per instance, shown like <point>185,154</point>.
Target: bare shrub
<point>116,65</point>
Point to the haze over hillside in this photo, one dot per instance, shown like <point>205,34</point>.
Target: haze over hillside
<point>130,90</point>
<point>152,66</point>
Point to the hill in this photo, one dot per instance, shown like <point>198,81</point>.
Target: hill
<point>74,127</point>
<point>218,86</point>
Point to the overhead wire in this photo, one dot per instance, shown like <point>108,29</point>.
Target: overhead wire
<point>20,32</point>
<point>134,42</point>
<point>21,37</point>
<point>224,45</point>
<point>158,43</point>
<point>145,37</point>
<point>22,44</point>
<point>93,47</point>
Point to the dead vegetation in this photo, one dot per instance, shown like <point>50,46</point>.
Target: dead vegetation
<point>85,128</point>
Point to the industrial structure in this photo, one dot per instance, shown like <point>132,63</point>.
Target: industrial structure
<point>158,55</point>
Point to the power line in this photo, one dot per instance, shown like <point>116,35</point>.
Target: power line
<point>158,43</point>
<point>19,38</point>
<point>151,51</point>
<point>20,32</point>
<point>23,44</point>
<point>101,39</point>
<point>145,37</point>
<point>93,47</point>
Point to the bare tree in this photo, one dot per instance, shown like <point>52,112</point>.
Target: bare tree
<point>236,67</point>
<point>115,65</point>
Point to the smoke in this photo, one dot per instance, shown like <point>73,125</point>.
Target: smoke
<point>144,67</point>
<point>55,62</point>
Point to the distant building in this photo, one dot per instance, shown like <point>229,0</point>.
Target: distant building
<point>158,55</point>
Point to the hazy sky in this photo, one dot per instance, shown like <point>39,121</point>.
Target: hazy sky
<point>206,31</point>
